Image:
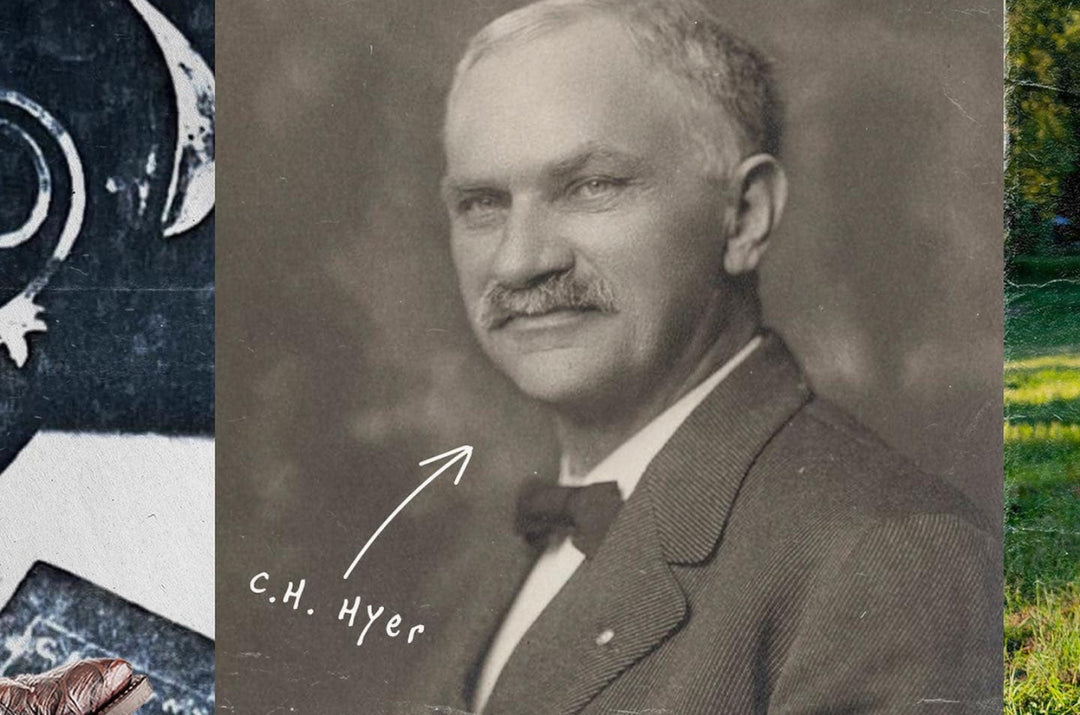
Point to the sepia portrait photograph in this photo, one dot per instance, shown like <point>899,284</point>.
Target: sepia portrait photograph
<point>609,356</point>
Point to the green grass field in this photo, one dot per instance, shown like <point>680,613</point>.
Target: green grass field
<point>1042,495</point>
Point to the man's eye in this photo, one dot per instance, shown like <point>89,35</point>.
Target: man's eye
<point>478,205</point>
<point>596,187</point>
<point>480,208</point>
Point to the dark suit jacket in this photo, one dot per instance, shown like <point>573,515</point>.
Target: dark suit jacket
<point>774,558</point>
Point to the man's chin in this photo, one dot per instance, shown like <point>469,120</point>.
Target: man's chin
<point>565,376</point>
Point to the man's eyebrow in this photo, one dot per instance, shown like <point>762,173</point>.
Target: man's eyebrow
<point>452,187</point>
<point>580,159</point>
<point>593,153</point>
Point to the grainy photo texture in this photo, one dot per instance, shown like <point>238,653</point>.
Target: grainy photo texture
<point>593,357</point>
<point>107,356</point>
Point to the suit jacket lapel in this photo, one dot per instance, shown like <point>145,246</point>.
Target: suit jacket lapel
<point>623,603</point>
<point>469,596</point>
<point>696,477</point>
<point>615,609</point>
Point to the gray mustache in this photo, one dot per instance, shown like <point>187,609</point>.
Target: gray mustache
<point>564,291</point>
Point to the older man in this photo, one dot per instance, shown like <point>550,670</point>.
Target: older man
<point>721,539</point>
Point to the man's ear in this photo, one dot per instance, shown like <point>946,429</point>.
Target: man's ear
<point>759,186</point>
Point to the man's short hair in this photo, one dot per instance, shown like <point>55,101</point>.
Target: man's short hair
<point>714,68</point>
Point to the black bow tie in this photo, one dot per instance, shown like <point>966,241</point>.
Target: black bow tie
<point>585,513</point>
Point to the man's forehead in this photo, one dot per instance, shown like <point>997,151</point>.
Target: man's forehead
<point>541,101</point>
<point>593,36</point>
<point>595,52</point>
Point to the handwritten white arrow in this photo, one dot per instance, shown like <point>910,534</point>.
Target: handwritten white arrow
<point>459,454</point>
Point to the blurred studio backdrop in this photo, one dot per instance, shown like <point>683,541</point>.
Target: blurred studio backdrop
<point>344,357</point>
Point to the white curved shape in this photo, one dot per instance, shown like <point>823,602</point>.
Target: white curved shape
<point>19,316</point>
<point>464,452</point>
<point>40,211</point>
<point>191,188</point>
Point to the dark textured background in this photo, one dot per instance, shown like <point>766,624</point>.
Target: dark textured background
<point>131,314</point>
<point>344,357</point>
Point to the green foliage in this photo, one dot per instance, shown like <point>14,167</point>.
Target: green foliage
<point>1043,317</point>
<point>1038,269</point>
<point>1042,96</point>
<point>1042,491</point>
<point>1042,472</point>
<point>1046,391</point>
<point>1042,516</point>
<point>1042,653</point>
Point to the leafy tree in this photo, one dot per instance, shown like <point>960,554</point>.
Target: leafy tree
<point>1042,96</point>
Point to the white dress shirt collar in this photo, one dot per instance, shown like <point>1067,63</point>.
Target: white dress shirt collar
<point>628,462</point>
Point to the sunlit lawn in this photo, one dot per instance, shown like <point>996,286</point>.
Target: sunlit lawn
<point>1042,500</point>
<point>1042,659</point>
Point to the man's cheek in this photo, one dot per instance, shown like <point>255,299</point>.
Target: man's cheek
<point>472,268</point>
<point>469,279</point>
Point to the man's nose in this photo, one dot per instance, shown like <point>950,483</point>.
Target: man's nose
<point>532,247</point>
